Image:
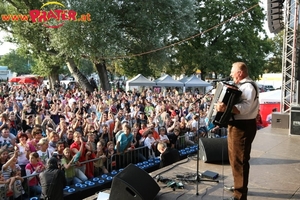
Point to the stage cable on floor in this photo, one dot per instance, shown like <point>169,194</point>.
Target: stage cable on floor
<point>165,193</point>
<point>180,195</point>
<point>187,160</point>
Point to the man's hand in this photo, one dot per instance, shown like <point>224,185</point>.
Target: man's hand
<point>87,155</point>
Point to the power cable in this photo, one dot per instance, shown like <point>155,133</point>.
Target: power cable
<point>187,160</point>
<point>180,195</point>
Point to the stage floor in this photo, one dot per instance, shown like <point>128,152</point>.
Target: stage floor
<point>274,172</point>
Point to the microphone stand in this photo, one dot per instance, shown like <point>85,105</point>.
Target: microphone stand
<point>198,176</point>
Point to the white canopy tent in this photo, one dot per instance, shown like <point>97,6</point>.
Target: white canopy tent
<point>194,81</point>
<point>183,80</point>
<point>270,97</point>
<point>140,80</point>
<point>168,81</point>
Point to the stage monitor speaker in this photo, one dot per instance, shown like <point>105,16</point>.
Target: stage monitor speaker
<point>294,120</point>
<point>133,183</point>
<point>213,150</point>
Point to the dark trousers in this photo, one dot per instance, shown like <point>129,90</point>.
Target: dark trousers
<point>241,134</point>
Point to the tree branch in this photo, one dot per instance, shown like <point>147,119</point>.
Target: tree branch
<point>13,4</point>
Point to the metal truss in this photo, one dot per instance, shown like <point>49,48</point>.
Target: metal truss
<point>290,58</point>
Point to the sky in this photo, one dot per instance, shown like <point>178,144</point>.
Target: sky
<point>6,47</point>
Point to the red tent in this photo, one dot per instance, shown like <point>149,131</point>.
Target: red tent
<point>15,79</point>
<point>28,80</point>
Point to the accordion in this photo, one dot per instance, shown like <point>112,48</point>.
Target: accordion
<point>229,95</point>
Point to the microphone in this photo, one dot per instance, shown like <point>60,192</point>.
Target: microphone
<point>228,78</point>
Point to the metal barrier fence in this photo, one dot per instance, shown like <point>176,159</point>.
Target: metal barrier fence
<point>134,156</point>
<point>115,162</point>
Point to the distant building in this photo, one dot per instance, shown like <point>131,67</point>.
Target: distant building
<point>5,73</point>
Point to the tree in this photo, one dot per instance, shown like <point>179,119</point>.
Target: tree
<point>86,67</point>
<point>151,26</point>
<point>220,44</point>
<point>274,64</point>
<point>31,38</point>
<point>36,39</point>
<point>92,40</point>
<point>120,29</point>
<point>133,37</point>
<point>49,65</point>
<point>17,63</point>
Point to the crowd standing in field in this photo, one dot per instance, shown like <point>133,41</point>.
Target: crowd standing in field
<point>75,126</point>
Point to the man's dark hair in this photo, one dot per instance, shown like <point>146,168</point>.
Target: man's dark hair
<point>59,143</point>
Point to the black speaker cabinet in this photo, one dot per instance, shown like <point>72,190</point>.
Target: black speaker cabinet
<point>294,120</point>
<point>133,183</point>
<point>213,150</point>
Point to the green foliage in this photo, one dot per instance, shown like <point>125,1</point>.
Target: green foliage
<point>151,25</point>
<point>274,64</point>
<point>126,34</point>
<point>17,63</point>
<point>91,40</point>
<point>237,40</point>
<point>33,38</point>
<point>86,67</point>
<point>48,64</point>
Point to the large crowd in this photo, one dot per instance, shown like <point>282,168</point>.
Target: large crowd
<point>75,126</point>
